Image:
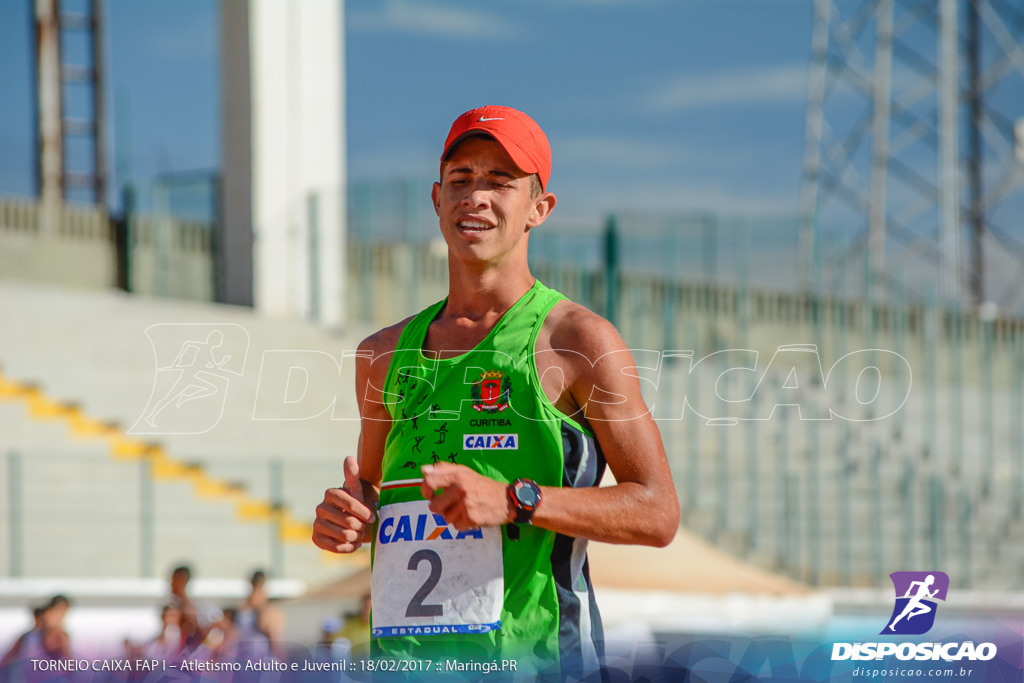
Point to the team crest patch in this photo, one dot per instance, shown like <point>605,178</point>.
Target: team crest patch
<point>491,392</point>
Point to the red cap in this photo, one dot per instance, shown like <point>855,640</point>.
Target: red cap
<point>520,135</point>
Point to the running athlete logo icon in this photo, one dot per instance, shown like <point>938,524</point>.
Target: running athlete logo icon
<point>194,365</point>
<point>916,592</point>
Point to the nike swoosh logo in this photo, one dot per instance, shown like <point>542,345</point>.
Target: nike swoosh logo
<point>496,118</point>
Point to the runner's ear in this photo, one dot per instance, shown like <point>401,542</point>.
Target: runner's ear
<point>543,205</point>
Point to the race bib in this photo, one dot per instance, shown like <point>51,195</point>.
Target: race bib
<point>430,579</point>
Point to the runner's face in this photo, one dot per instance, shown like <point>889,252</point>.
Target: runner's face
<point>484,202</point>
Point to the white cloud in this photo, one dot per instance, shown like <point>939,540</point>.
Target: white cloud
<point>433,20</point>
<point>787,83</point>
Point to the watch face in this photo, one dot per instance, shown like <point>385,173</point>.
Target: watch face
<point>527,495</point>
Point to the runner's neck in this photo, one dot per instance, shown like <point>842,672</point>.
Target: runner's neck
<point>476,299</point>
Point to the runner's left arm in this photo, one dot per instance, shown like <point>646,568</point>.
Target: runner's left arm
<point>345,518</point>
<point>641,508</point>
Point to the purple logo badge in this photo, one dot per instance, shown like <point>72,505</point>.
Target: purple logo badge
<point>916,593</point>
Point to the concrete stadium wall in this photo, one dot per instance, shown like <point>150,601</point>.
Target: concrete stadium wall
<point>61,244</point>
<point>74,246</point>
<point>172,258</point>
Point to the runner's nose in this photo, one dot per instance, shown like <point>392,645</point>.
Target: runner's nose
<point>477,197</point>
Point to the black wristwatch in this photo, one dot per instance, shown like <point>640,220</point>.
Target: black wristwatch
<point>525,496</point>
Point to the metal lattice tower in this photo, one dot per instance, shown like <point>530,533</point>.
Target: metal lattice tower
<point>914,147</point>
<point>69,102</point>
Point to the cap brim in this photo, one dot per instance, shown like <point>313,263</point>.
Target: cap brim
<point>515,152</point>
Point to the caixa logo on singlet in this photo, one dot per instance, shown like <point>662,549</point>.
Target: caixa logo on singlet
<point>483,442</point>
<point>423,527</point>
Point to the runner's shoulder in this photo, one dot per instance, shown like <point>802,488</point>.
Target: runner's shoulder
<point>385,340</point>
<point>575,327</point>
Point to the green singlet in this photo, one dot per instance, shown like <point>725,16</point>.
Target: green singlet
<point>481,594</point>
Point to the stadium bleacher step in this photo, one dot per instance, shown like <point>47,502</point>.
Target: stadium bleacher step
<point>109,373</point>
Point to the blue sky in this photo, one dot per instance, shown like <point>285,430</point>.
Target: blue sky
<point>694,104</point>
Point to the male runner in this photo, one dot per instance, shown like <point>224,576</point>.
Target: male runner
<point>487,420</point>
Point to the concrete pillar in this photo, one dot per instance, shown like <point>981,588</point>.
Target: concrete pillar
<point>283,157</point>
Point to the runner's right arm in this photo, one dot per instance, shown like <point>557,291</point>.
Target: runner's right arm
<point>345,518</point>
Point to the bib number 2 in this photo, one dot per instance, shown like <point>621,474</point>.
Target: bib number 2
<point>430,579</point>
<point>416,607</point>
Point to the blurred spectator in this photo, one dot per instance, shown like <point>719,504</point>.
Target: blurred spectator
<point>223,638</point>
<point>56,643</point>
<point>46,638</point>
<point>260,624</point>
<point>192,632</point>
<point>332,646</point>
<point>168,643</point>
<point>357,628</point>
<point>29,645</point>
